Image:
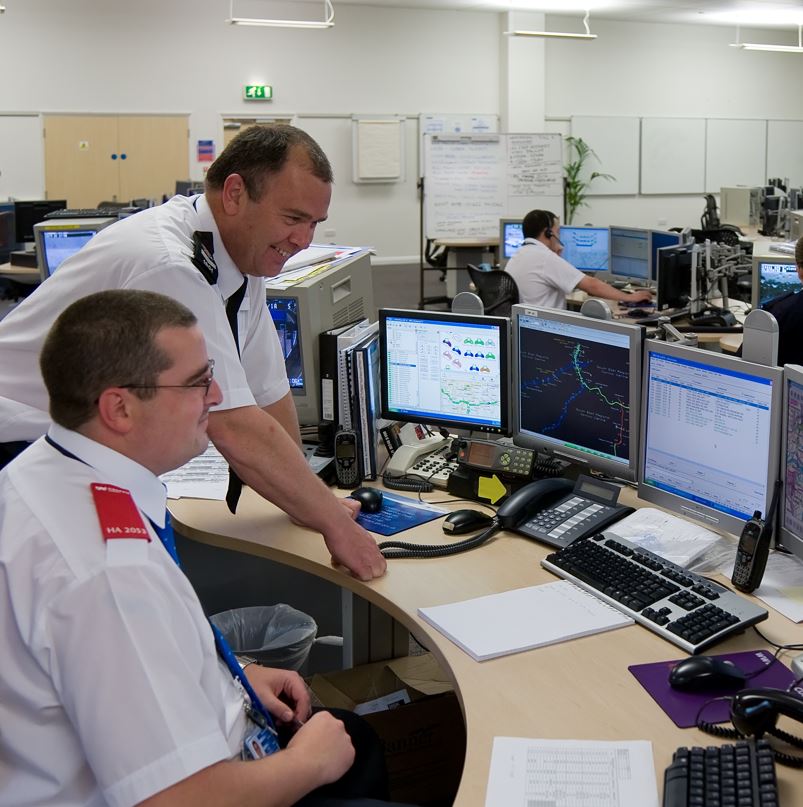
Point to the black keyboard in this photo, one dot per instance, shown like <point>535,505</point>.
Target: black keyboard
<point>688,610</point>
<point>740,775</point>
<point>85,213</point>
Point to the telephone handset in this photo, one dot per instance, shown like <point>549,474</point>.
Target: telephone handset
<point>522,505</point>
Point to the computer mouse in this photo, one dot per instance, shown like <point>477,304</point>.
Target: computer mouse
<point>705,673</point>
<point>638,313</point>
<point>466,521</point>
<point>370,499</point>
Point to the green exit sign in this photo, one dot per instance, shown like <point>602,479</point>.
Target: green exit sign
<point>257,92</point>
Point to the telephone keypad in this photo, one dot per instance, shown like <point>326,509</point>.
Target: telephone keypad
<point>574,516</point>
<point>434,467</point>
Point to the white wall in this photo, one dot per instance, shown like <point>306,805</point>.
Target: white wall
<point>180,56</point>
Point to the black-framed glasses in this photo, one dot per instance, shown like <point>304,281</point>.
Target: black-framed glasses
<point>205,383</point>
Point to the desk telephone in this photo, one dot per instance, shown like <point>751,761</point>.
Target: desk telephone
<point>553,511</point>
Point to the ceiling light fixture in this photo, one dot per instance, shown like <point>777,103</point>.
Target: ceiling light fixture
<point>556,34</point>
<point>328,22</point>
<point>772,48</point>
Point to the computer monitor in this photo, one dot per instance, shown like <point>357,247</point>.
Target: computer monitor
<point>302,309</point>
<point>510,238</point>
<point>673,278</point>
<point>659,239</point>
<point>30,212</point>
<point>630,254</point>
<point>8,233</point>
<point>576,385</point>
<point>586,248</point>
<point>710,434</point>
<point>790,519</point>
<point>772,276</point>
<point>59,239</point>
<point>445,369</point>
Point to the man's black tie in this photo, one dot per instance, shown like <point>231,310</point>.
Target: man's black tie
<point>232,308</point>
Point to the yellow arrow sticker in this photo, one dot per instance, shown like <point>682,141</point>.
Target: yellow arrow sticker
<point>491,488</point>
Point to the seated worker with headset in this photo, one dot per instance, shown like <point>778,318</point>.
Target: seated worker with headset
<point>116,688</point>
<point>544,278</point>
<point>788,311</point>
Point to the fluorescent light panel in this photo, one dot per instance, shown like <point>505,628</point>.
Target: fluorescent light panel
<point>329,22</point>
<point>557,34</point>
<point>772,48</point>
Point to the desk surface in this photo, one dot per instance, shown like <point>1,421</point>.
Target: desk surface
<point>575,690</point>
<point>23,274</point>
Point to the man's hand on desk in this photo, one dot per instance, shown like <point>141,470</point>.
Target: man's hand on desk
<point>351,546</point>
<point>640,296</point>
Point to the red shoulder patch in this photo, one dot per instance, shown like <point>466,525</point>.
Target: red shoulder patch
<point>117,513</point>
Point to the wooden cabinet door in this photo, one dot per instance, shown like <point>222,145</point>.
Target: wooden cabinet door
<point>81,159</point>
<point>156,153</point>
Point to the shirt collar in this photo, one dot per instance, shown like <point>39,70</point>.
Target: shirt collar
<point>229,278</point>
<point>147,490</point>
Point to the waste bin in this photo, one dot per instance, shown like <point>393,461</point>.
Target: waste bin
<point>275,635</point>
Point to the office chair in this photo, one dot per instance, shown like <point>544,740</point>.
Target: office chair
<point>719,235</point>
<point>497,290</point>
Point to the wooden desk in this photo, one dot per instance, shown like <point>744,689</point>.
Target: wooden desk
<point>576,690</point>
<point>22,274</point>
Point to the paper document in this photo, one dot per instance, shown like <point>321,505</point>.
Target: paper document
<point>204,477</point>
<point>566,773</point>
<point>306,257</point>
<point>522,619</point>
<point>782,584</point>
<point>672,538</point>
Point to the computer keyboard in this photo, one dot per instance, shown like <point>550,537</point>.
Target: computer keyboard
<point>85,213</point>
<point>740,775</point>
<point>680,606</point>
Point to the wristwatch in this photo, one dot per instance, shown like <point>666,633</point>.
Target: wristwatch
<point>244,661</point>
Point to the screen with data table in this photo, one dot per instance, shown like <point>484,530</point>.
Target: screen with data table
<point>576,387</point>
<point>791,532</point>
<point>445,369</point>
<point>711,434</point>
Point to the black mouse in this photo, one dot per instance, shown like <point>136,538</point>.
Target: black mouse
<point>370,499</point>
<point>704,673</point>
<point>466,521</point>
<point>638,313</point>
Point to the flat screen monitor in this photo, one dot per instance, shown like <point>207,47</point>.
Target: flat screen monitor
<point>659,239</point>
<point>302,309</point>
<point>30,212</point>
<point>673,278</point>
<point>59,239</point>
<point>630,254</point>
<point>790,534</point>
<point>586,248</point>
<point>445,369</point>
<point>576,383</point>
<point>710,434</point>
<point>8,232</point>
<point>510,238</point>
<point>773,276</point>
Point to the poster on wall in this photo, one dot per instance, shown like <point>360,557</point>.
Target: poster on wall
<point>206,151</point>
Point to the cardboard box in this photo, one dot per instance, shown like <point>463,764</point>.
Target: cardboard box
<point>424,740</point>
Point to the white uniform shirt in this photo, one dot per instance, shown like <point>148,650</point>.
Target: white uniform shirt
<point>543,277</point>
<point>110,686</point>
<point>150,250</point>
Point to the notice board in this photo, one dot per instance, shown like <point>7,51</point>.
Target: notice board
<point>471,181</point>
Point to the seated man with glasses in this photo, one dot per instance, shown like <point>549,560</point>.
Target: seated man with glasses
<point>115,687</point>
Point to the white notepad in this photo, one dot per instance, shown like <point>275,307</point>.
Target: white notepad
<point>513,621</point>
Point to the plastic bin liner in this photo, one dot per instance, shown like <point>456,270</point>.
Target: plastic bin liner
<point>275,635</point>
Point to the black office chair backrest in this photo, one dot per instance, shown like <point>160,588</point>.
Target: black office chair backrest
<point>497,290</point>
<point>720,235</point>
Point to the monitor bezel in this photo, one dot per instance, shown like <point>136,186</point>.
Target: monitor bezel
<point>788,539</point>
<point>564,227</point>
<point>710,517</point>
<point>635,334</point>
<point>654,251</point>
<point>502,323</point>
<point>86,225</point>
<point>503,223</point>
<point>630,278</point>
<point>684,248</point>
<point>786,260</point>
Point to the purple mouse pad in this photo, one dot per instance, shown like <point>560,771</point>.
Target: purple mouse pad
<point>683,707</point>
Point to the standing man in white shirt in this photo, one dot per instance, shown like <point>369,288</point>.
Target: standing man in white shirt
<point>264,196</point>
<point>115,689</point>
<point>544,278</point>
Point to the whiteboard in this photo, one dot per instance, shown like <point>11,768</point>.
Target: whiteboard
<point>22,157</point>
<point>453,123</point>
<point>735,153</point>
<point>784,152</point>
<point>672,155</point>
<point>378,146</point>
<point>615,141</point>
<point>471,181</point>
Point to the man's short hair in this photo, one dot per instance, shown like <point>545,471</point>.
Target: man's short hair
<point>106,339</point>
<point>261,151</point>
<point>537,222</point>
<point>799,251</point>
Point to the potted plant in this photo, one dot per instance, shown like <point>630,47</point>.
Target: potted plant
<point>575,181</point>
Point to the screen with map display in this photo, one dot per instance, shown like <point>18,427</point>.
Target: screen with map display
<point>576,382</point>
<point>445,369</point>
<point>791,532</point>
